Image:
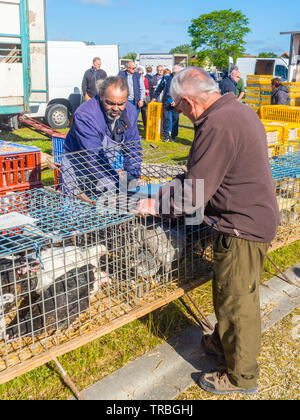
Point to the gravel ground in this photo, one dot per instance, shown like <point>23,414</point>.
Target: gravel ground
<point>279,366</point>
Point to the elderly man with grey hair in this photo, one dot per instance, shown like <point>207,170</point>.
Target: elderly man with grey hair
<point>229,153</point>
<point>171,117</point>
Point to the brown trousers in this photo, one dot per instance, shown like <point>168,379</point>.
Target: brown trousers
<point>238,266</point>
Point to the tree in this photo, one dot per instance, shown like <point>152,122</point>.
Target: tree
<point>183,49</point>
<point>89,42</point>
<point>130,56</point>
<point>218,35</point>
<point>267,55</point>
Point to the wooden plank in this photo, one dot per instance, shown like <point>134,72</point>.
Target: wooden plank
<point>146,308</point>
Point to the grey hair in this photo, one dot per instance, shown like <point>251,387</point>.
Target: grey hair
<point>233,72</point>
<point>116,81</point>
<point>195,83</point>
<point>96,59</point>
<point>140,68</point>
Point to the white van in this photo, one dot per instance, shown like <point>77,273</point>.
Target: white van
<point>277,67</point>
<point>67,63</point>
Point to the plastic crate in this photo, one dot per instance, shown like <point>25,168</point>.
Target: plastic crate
<point>283,113</point>
<point>255,107</point>
<point>295,94</point>
<point>274,135</point>
<point>154,121</point>
<point>290,131</point>
<point>277,150</point>
<point>264,78</point>
<point>265,100</point>
<point>20,167</point>
<point>252,90</point>
<point>252,98</point>
<point>292,85</point>
<point>295,101</point>
<point>58,150</point>
<point>58,147</point>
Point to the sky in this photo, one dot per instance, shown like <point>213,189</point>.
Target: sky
<point>156,26</point>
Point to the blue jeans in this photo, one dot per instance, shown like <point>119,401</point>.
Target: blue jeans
<point>171,123</point>
<point>136,107</point>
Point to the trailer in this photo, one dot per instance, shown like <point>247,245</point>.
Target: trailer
<point>23,56</point>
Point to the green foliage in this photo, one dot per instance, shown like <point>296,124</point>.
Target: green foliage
<point>130,56</point>
<point>218,35</point>
<point>267,55</point>
<point>183,49</point>
<point>89,42</point>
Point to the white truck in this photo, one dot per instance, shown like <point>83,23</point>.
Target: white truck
<point>67,63</point>
<point>23,56</point>
<point>165,60</point>
<point>277,67</point>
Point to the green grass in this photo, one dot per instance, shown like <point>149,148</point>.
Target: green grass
<point>101,357</point>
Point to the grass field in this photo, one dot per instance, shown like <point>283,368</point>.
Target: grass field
<point>101,357</point>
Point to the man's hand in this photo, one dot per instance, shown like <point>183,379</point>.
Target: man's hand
<point>153,100</point>
<point>146,207</point>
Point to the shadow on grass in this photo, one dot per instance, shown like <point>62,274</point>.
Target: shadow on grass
<point>186,126</point>
<point>184,142</point>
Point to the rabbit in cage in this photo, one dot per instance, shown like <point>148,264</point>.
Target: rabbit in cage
<point>40,270</point>
<point>58,306</point>
<point>157,246</point>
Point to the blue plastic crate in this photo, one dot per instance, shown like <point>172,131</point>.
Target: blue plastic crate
<point>58,148</point>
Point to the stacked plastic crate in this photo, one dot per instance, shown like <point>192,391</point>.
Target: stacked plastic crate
<point>258,91</point>
<point>294,89</point>
<point>285,120</point>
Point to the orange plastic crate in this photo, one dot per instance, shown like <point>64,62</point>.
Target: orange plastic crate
<point>20,167</point>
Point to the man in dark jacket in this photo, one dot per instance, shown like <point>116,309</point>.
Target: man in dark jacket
<point>91,76</point>
<point>136,86</point>
<point>102,141</point>
<point>229,83</point>
<point>171,117</point>
<point>155,80</point>
<point>229,153</point>
<point>280,95</point>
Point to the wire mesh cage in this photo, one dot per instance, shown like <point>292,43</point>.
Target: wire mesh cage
<point>286,175</point>
<point>75,257</point>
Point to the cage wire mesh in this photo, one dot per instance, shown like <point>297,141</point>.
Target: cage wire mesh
<point>286,175</point>
<point>75,257</point>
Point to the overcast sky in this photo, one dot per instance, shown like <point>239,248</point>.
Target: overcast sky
<point>159,25</point>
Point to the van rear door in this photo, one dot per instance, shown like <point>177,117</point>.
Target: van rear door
<point>264,67</point>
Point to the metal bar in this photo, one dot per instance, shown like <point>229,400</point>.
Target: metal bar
<point>190,311</point>
<point>10,36</point>
<point>68,381</point>
<point>207,322</point>
<point>285,277</point>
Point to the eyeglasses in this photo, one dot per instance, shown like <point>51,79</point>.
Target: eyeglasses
<point>109,103</point>
<point>176,107</point>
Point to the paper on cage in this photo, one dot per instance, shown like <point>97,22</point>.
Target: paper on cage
<point>14,220</point>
